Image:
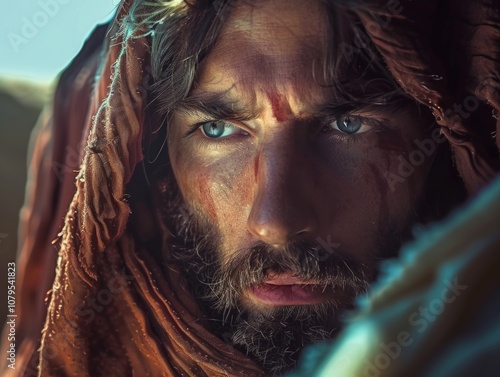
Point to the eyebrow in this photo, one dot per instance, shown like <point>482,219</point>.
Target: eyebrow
<point>338,106</point>
<point>217,105</point>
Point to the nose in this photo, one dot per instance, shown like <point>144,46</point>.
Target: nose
<point>283,209</point>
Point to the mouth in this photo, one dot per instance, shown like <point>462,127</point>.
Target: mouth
<point>287,290</point>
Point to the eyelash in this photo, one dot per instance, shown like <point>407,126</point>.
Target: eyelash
<point>205,141</point>
<point>377,125</point>
<point>193,128</point>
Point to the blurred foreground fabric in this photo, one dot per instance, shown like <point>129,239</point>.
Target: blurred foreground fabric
<point>434,312</point>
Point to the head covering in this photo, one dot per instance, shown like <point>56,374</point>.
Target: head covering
<point>446,55</point>
<point>148,329</point>
<point>112,309</point>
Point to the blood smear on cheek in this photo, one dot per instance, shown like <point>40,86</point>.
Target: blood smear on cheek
<point>206,198</point>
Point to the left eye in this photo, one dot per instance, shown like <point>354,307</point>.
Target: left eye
<point>218,129</point>
<point>348,124</point>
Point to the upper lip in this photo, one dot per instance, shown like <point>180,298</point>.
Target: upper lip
<point>287,279</point>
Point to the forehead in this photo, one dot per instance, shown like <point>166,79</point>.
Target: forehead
<point>272,44</point>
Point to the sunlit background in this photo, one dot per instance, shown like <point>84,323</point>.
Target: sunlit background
<point>38,38</point>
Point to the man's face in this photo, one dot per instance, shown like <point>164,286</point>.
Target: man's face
<point>260,159</point>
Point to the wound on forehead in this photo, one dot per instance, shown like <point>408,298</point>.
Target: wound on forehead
<point>279,106</point>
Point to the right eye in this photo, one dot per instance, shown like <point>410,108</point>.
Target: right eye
<point>349,125</point>
<point>218,129</point>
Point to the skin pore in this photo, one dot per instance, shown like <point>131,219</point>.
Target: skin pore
<point>267,169</point>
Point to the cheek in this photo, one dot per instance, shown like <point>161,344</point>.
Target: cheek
<point>361,201</point>
<point>219,189</point>
<point>232,192</point>
<point>359,195</point>
<point>224,190</point>
<point>205,194</point>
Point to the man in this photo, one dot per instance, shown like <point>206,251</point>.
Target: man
<point>246,164</point>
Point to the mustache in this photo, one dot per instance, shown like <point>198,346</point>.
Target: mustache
<point>218,278</point>
<point>305,260</point>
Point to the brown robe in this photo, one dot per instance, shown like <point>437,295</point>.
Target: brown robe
<point>112,309</point>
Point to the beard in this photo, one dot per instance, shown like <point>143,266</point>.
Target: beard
<point>273,336</point>
<point>217,279</point>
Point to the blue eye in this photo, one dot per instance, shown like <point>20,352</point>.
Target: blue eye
<point>349,124</point>
<point>218,129</point>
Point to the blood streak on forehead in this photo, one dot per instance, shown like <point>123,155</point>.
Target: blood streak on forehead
<point>279,106</point>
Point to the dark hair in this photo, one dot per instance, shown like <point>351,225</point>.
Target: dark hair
<point>182,33</point>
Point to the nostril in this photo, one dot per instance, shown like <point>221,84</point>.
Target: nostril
<point>302,232</point>
<point>271,232</point>
<point>277,233</point>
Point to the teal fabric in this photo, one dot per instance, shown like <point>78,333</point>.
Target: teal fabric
<point>435,311</point>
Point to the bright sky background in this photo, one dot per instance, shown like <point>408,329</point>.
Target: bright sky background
<point>57,32</point>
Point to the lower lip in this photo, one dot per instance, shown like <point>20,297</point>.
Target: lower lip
<point>285,295</point>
